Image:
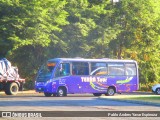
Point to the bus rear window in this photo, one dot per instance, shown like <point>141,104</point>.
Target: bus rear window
<point>130,69</point>
<point>116,69</point>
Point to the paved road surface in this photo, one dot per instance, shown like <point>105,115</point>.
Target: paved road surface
<point>37,102</point>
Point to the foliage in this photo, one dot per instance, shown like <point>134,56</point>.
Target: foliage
<point>146,86</point>
<point>32,31</point>
<point>27,28</point>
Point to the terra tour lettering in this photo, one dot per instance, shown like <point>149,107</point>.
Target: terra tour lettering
<point>93,79</point>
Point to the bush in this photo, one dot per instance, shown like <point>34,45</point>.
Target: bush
<point>29,85</point>
<point>147,87</point>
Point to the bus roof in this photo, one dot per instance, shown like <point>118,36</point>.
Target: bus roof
<point>89,60</point>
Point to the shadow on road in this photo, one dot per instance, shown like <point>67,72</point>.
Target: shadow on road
<point>62,101</point>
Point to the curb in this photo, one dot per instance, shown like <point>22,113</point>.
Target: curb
<point>22,92</point>
<point>132,101</point>
<point>30,91</point>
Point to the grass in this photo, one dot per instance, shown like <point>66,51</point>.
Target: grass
<point>145,98</point>
<point>142,98</point>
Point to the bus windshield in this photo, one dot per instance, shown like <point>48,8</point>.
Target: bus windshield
<point>46,71</point>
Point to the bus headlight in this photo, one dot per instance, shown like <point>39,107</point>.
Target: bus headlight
<point>48,81</point>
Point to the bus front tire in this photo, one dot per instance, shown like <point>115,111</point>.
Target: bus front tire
<point>61,92</point>
<point>97,94</point>
<point>47,94</point>
<point>110,91</point>
<point>11,88</point>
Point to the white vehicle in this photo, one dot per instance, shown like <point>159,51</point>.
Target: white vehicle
<point>156,89</point>
<point>10,82</point>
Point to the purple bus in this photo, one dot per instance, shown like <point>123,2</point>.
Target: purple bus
<point>62,76</point>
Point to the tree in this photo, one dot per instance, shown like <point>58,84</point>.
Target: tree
<point>89,28</point>
<point>27,28</point>
<point>105,30</point>
<point>139,36</point>
<point>80,24</point>
<point>31,22</point>
<point>32,31</point>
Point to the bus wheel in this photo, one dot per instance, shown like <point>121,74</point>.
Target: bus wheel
<point>97,94</point>
<point>158,91</point>
<point>110,91</point>
<point>11,88</point>
<point>47,94</point>
<point>61,92</point>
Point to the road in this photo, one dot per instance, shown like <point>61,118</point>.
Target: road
<point>37,102</point>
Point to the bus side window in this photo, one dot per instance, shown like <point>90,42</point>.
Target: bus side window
<point>95,65</point>
<point>116,69</point>
<point>99,68</point>
<point>80,68</point>
<point>130,69</point>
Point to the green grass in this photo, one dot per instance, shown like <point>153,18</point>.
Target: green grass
<point>145,98</point>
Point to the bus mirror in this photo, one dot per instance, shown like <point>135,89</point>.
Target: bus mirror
<point>40,71</point>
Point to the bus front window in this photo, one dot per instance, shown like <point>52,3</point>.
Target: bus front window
<point>46,71</point>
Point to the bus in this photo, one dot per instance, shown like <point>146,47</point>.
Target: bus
<point>62,76</point>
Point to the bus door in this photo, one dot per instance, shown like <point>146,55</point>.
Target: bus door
<point>62,75</point>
